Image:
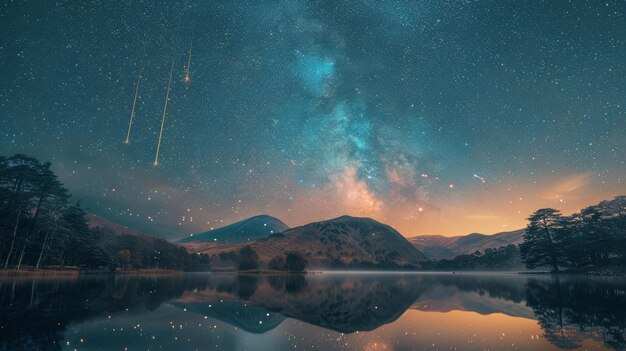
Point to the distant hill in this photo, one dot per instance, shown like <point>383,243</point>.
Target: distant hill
<point>439,247</point>
<point>341,242</point>
<point>94,222</point>
<point>243,231</point>
<point>114,237</point>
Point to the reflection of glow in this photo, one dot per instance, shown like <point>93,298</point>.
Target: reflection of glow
<point>377,345</point>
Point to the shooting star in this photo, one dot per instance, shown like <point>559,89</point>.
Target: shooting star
<point>167,99</point>
<point>187,77</point>
<point>482,180</point>
<point>132,111</point>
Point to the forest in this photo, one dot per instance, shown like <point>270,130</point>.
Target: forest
<point>40,227</point>
<point>505,258</point>
<point>591,239</point>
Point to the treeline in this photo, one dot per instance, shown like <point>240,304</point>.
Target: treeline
<point>247,259</point>
<point>591,239</point>
<point>492,259</point>
<point>40,227</point>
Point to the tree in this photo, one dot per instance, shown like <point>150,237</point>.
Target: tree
<point>19,180</point>
<point>124,257</point>
<point>295,262</point>
<point>540,246</point>
<point>248,258</point>
<point>277,263</point>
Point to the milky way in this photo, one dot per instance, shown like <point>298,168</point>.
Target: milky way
<point>435,117</point>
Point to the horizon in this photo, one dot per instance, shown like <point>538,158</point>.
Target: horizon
<point>330,219</point>
<point>433,118</point>
<point>324,175</point>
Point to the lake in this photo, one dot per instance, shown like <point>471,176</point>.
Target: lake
<point>328,311</point>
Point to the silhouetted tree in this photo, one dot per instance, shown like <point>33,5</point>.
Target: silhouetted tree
<point>248,258</point>
<point>39,227</point>
<point>277,263</point>
<point>541,240</point>
<point>295,262</point>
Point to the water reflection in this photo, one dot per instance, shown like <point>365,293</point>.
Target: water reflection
<point>571,311</point>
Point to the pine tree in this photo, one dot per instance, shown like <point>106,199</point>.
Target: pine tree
<point>541,240</point>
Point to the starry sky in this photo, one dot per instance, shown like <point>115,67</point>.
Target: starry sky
<point>434,117</point>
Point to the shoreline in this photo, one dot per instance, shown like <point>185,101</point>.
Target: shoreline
<point>75,272</point>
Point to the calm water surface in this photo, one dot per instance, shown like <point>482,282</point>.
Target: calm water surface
<point>330,311</point>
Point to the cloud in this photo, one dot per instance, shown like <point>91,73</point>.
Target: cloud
<point>569,187</point>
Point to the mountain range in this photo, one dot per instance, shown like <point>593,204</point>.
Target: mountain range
<point>341,242</point>
<point>438,247</point>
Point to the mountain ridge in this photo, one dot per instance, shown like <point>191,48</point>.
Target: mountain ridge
<point>440,247</point>
<point>339,242</point>
<point>246,230</point>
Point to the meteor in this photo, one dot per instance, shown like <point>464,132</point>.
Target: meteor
<point>167,99</point>
<point>482,180</point>
<point>132,111</point>
<point>187,78</point>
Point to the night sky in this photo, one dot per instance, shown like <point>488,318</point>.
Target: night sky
<point>433,117</point>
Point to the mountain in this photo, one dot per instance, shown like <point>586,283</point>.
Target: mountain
<point>440,247</point>
<point>341,242</point>
<point>95,222</point>
<point>249,229</point>
<point>114,239</point>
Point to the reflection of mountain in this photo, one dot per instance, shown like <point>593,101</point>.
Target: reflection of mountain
<point>344,304</point>
<point>252,319</point>
<point>438,246</point>
<point>451,298</point>
<point>35,313</point>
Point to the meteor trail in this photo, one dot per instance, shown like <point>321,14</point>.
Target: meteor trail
<point>132,111</point>
<point>187,78</point>
<point>167,99</point>
<point>482,180</point>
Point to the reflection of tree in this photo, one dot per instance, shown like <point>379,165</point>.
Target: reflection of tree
<point>290,283</point>
<point>570,310</point>
<point>247,285</point>
<point>34,313</point>
<point>295,283</point>
<point>341,303</point>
